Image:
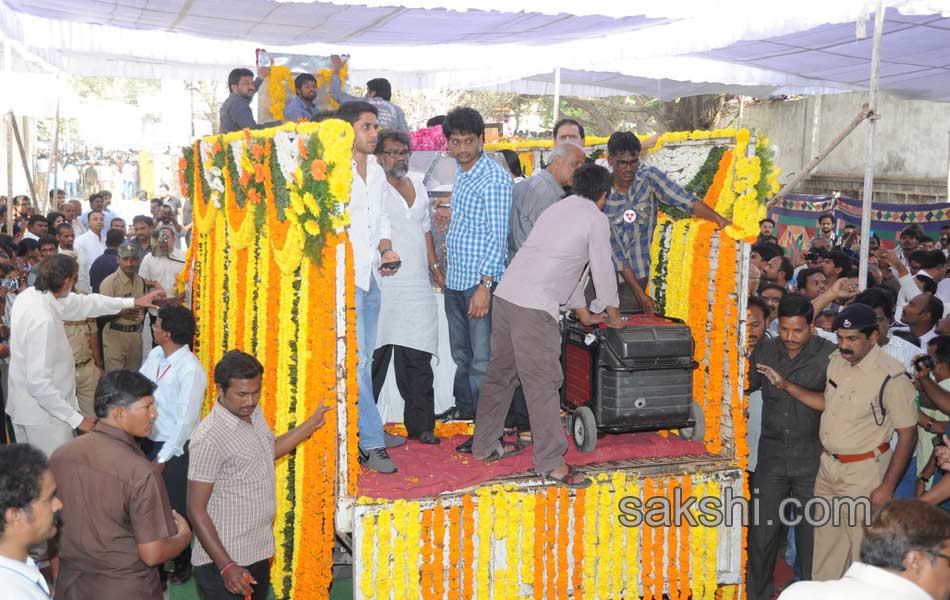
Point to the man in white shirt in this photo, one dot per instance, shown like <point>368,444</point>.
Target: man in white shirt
<point>181,382</point>
<point>370,235</point>
<point>905,554</point>
<point>165,261</point>
<point>71,211</point>
<point>89,246</point>
<point>28,504</point>
<point>921,316</point>
<point>42,403</point>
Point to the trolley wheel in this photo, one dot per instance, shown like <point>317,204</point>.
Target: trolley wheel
<point>584,429</point>
<point>697,432</point>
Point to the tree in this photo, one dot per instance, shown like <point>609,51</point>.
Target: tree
<point>205,104</point>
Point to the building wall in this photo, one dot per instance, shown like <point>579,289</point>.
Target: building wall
<point>912,146</point>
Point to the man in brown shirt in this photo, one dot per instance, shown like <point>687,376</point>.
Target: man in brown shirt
<point>117,523</point>
<point>544,276</point>
<point>231,496</point>
<point>122,336</point>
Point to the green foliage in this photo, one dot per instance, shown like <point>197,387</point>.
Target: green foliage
<point>767,163</point>
<point>703,179</point>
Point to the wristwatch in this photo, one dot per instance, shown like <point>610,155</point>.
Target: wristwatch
<point>488,284</point>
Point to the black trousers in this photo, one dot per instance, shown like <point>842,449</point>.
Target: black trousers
<point>211,584</point>
<point>772,483</point>
<point>414,379</point>
<point>175,476</point>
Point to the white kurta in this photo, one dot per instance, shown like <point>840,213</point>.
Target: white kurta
<point>408,314</point>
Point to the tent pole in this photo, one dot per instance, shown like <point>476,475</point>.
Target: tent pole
<point>10,205</point>
<point>23,158</point>
<point>869,157</point>
<point>54,159</point>
<point>557,92</point>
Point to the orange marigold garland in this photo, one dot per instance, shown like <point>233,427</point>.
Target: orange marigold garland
<point>577,545</point>
<point>438,549</point>
<point>540,515</point>
<point>468,545</point>
<point>352,389</point>
<point>550,531</point>
<point>455,541</point>
<point>426,570</point>
<point>647,545</point>
<point>563,513</point>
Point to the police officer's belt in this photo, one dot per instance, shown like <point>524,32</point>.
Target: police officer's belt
<point>852,458</point>
<point>125,328</point>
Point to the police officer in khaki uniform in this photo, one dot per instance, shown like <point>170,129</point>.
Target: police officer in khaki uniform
<point>82,336</point>
<point>122,335</point>
<point>868,396</point>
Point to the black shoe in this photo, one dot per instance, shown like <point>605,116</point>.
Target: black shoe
<point>181,574</point>
<point>466,446</point>
<point>427,437</point>
<point>448,415</point>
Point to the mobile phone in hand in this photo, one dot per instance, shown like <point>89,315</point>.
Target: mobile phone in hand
<point>392,266</point>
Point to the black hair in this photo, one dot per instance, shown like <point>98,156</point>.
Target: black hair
<point>95,196</point>
<point>236,365</point>
<point>903,526</point>
<point>51,217</point>
<point>46,240</point>
<point>787,268</point>
<point>767,251</point>
<point>796,305</point>
<point>941,348</point>
<point>755,301</point>
<point>847,226</point>
<point>143,219</point>
<point>826,216</point>
<point>394,135</point>
<point>828,312</point>
<point>105,193</point>
<point>841,261</point>
<point>514,163</point>
<point>911,231</point>
<point>54,192</point>
<point>876,297</point>
<point>773,286</point>
<point>36,219</point>
<point>927,285</point>
<point>926,238</point>
<point>21,466</point>
<point>461,120</point>
<point>931,259</point>
<point>323,115</point>
<point>114,238</point>
<point>935,308</point>
<point>766,220</point>
<point>53,271</point>
<point>179,322</point>
<point>303,78</point>
<point>436,120</point>
<point>801,281</point>
<point>568,121</point>
<point>158,201</point>
<point>25,246</point>
<point>591,181</point>
<point>351,111</point>
<point>623,141</point>
<point>381,88</point>
<point>94,212</point>
<point>121,388</point>
<point>235,76</point>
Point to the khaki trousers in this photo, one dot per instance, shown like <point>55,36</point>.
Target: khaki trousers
<point>121,350</point>
<point>87,378</point>
<point>837,545</point>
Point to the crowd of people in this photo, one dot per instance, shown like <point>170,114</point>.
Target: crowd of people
<point>848,390</point>
<point>82,173</point>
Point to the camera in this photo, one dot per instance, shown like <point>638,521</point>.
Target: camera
<point>10,284</point>
<point>924,362</point>
<point>938,440</point>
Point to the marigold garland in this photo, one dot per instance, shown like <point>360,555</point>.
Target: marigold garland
<point>577,544</point>
<point>468,547</point>
<point>540,518</point>
<point>455,541</point>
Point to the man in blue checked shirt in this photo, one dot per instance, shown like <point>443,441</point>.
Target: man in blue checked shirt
<point>477,247</point>
<point>632,208</point>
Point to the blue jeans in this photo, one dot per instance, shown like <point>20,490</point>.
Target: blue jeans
<point>367,316</point>
<point>470,341</point>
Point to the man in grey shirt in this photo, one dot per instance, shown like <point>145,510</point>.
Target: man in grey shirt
<point>525,340</point>
<point>236,110</point>
<point>531,196</point>
<point>378,93</point>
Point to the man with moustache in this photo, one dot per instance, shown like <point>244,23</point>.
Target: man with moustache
<point>117,522</point>
<point>789,447</point>
<point>867,398</point>
<point>302,106</point>
<point>408,317</point>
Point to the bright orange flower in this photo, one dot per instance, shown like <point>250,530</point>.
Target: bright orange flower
<point>257,151</point>
<point>318,170</point>
<point>216,148</point>
<point>259,173</point>
<point>245,178</point>
<point>254,196</point>
<point>303,149</point>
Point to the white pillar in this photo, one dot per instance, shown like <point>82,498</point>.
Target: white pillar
<point>869,157</point>
<point>557,93</point>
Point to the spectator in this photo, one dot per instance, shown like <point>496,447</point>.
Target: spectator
<point>155,207</point>
<point>921,316</point>
<point>130,175</point>
<point>825,319</point>
<point>476,253</point>
<point>779,270</point>
<point>766,228</point>
<point>408,318</point>
<point>568,130</point>
<point>36,226</point>
<point>117,523</point>
<point>53,220</point>
<point>836,266</point>
<point>28,506</point>
<point>378,94</point>
<point>165,195</point>
<point>100,201</point>
<point>142,227</point>
<point>772,294</point>
<point>89,246</point>
<point>235,112</point>
<point>42,402</point>
<point>180,390</point>
<point>165,261</point>
<point>302,107</point>
<point>118,224</point>
<point>122,335</point>
<point>909,242</point>
<point>514,165</point>
<point>903,554</point>
<point>812,283</point>
<point>372,248</point>
<point>71,211</point>
<point>108,263</point>
<point>231,499</point>
<point>47,246</point>
<point>826,229</point>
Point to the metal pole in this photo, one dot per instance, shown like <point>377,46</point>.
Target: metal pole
<point>557,93</point>
<point>54,160</point>
<point>23,158</point>
<point>10,205</point>
<point>869,157</point>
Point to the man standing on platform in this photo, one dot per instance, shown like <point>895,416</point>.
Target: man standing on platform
<point>122,335</point>
<point>301,106</point>
<point>408,318</point>
<point>235,113</point>
<point>373,256</point>
<point>231,498</point>
<point>477,246</point>
<point>378,94</point>
<point>544,276</point>
<point>789,449</point>
<point>632,210</point>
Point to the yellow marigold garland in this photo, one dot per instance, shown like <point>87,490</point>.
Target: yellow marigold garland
<point>280,82</point>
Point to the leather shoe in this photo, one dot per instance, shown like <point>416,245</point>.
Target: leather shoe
<point>466,446</point>
<point>427,437</point>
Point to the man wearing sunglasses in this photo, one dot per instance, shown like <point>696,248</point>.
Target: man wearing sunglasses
<point>632,208</point>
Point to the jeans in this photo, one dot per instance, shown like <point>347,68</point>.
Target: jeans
<point>367,316</point>
<point>470,341</point>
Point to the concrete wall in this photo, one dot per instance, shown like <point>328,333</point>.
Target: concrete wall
<point>912,144</point>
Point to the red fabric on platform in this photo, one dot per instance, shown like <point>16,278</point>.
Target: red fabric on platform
<point>426,471</point>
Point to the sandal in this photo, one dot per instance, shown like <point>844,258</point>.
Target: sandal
<point>516,449</point>
<point>572,479</point>
<point>525,438</point>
